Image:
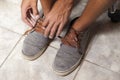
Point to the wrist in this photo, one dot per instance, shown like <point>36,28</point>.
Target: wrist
<point>66,2</point>
<point>80,25</point>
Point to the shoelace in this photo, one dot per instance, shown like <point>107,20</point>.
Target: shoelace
<point>73,38</point>
<point>37,27</point>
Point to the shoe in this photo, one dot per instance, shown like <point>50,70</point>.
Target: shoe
<point>35,43</point>
<point>71,52</point>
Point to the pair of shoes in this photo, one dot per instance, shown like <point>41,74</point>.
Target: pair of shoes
<point>70,54</point>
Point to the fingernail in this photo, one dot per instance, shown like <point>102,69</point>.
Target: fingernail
<point>50,37</point>
<point>37,17</point>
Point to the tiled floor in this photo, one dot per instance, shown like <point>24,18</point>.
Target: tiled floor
<point>102,60</point>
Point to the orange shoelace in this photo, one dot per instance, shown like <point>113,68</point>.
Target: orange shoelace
<point>72,38</point>
<point>37,27</point>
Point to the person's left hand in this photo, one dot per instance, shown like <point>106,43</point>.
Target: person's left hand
<point>56,19</point>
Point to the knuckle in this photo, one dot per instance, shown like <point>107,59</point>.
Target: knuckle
<point>60,29</point>
<point>35,12</point>
<point>47,30</point>
<point>51,33</point>
<point>53,30</point>
<point>33,4</point>
<point>48,19</point>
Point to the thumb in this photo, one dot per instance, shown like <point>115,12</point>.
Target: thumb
<point>35,10</point>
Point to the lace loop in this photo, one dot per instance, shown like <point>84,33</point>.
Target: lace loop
<point>37,27</point>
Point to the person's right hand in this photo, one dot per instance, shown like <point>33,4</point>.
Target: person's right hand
<point>29,11</point>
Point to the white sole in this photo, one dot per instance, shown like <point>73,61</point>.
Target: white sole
<point>64,73</point>
<point>31,58</point>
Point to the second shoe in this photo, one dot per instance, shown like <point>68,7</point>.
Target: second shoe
<point>71,52</point>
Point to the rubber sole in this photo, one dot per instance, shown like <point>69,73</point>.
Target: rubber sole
<point>31,58</point>
<point>64,73</point>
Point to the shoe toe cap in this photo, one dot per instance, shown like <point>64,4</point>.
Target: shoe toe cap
<point>66,58</point>
<point>30,50</point>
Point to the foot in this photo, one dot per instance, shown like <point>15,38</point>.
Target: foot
<point>35,43</point>
<point>71,52</point>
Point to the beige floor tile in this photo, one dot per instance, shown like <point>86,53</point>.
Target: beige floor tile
<point>10,17</point>
<point>56,43</point>
<point>90,71</point>
<point>41,69</point>
<point>105,49</point>
<point>14,1</point>
<point>8,40</point>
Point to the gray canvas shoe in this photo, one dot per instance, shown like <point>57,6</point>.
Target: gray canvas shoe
<point>71,52</point>
<point>35,43</point>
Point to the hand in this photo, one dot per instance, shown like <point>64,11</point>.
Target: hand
<point>56,19</point>
<point>29,11</point>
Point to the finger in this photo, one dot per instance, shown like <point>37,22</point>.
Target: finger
<point>60,29</point>
<point>45,23</point>
<point>47,30</point>
<point>37,17</point>
<point>35,10</point>
<point>31,21</point>
<point>29,13</point>
<point>30,17</point>
<point>34,17</point>
<point>27,22</point>
<point>53,31</point>
<point>24,17</point>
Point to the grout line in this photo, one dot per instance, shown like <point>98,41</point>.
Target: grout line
<point>11,51</point>
<point>93,64</point>
<point>74,78</point>
<point>84,56</point>
<point>101,66</point>
<point>54,47</point>
<point>79,68</point>
<point>11,30</point>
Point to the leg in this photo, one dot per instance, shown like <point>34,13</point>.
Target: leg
<point>47,5</point>
<point>92,11</point>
